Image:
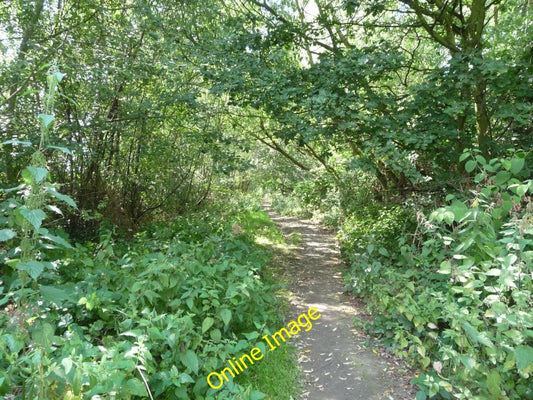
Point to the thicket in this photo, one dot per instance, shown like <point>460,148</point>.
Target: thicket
<point>454,294</point>
<point>399,117</point>
<point>449,288</point>
<point>148,317</point>
<point>355,112</point>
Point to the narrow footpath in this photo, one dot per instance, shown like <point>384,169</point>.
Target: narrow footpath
<point>336,362</point>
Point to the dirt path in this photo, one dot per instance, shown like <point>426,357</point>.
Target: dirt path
<point>336,363</point>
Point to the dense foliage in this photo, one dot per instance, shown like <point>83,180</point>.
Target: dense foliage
<point>406,124</point>
<point>457,296</point>
<point>117,319</point>
<point>151,316</point>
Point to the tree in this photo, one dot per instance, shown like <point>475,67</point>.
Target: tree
<point>458,26</point>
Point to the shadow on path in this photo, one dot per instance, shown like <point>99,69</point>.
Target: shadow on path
<point>332,355</point>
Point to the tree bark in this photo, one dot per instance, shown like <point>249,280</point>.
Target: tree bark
<point>482,118</point>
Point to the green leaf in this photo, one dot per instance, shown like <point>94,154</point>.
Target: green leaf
<point>4,384</point>
<point>76,382</point>
<point>484,340</point>
<point>208,323</point>
<point>421,395</point>
<point>182,394</point>
<point>186,378</point>
<point>35,174</point>
<point>383,251</point>
<point>44,335</point>
<point>14,344</point>
<point>190,360</point>
<point>459,209</point>
<point>135,387</point>
<point>190,303</point>
<point>54,294</point>
<point>524,359</point>
<point>54,209</point>
<point>7,234</point>
<point>67,364</point>
<point>46,119</point>
<point>467,361</point>
<point>515,335</point>
<point>216,335</point>
<point>516,165</point>
<point>56,239</point>
<point>33,268</point>
<point>501,177</point>
<point>470,165</point>
<point>476,336</point>
<point>34,217</point>
<point>445,268</point>
<point>257,395</point>
<point>62,197</point>
<point>16,141</point>
<point>464,156</point>
<point>450,197</point>
<point>225,314</point>
<point>62,149</point>
<point>507,205</point>
<point>251,335</point>
<point>480,159</point>
<point>13,189</point>
<point>448,217</point>
<point>480,177</point>
<point>58,75</point>
<point>521,189</point>
<point>493,383</point>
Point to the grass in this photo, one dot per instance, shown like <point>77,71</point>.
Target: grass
<point>276,375</point>
<point>257,223</point>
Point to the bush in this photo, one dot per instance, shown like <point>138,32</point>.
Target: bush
<point>116,319</point>
<point>373,227</point>
<point>458,300</point>
<point>123,319</point>
<point>308,198</point>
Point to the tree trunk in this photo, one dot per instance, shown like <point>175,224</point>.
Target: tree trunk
<point>482,118</point>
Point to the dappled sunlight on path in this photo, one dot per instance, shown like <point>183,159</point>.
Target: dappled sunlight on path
<point>336,363</point>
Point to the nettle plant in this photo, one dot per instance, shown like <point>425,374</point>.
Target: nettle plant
<point>484,333</point>
<point>27,251</point>
<point>24,213</point>
<point>457,297</point>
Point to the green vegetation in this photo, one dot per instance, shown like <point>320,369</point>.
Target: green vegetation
<point>149,316</point>
<point>277,374</point>
<point>157,312</point>
<point>456,297</point>
<point>138,138</point>
<point>450,289</point>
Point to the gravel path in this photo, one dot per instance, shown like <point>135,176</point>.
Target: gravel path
<point>336,363</point>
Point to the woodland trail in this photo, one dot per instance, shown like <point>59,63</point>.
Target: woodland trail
<point>336,362</point>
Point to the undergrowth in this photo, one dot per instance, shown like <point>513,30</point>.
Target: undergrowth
<point>149,317</point>
<point>454,294</point>
<point>119,318</point>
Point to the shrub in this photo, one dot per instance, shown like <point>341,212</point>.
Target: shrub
<point>123,319</point>
<point>458,300</point>
<point>118,314</point>
<point>373,227</point>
